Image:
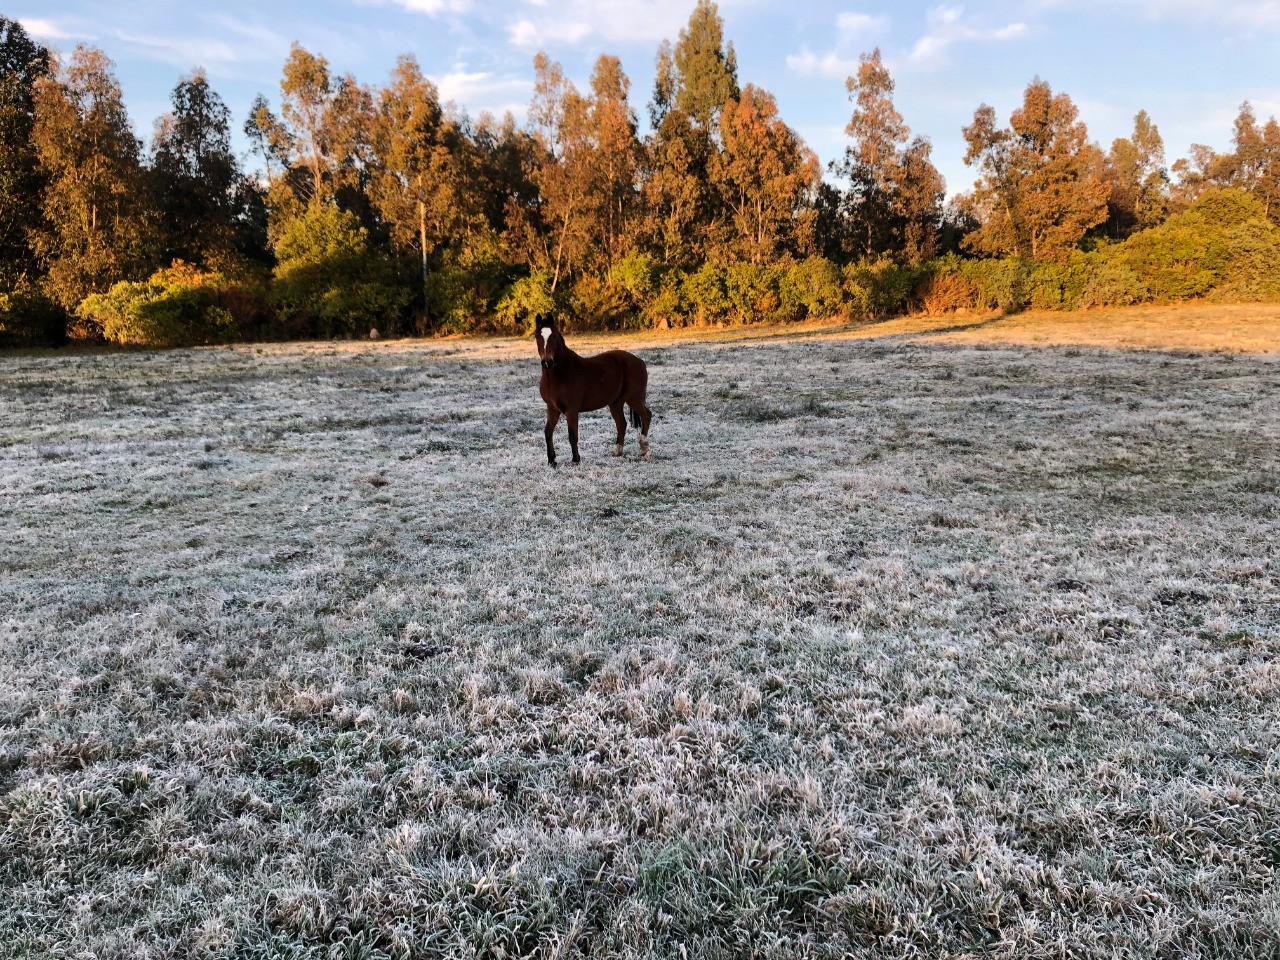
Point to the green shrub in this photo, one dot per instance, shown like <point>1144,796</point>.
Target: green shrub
<point>1177,260</point>
<point>1113,283</point>
<point>1222,208</point>
<point>328,277</point>
<point>177,306</point>
<point>812,289</point>
<point>525,301</point>
<point>667,303</point>
<point>1058,286</point>
<point>1252,272</point>
<point>1194,253</point>
<point>704,294</point>
<point>466,293</point>
<point>752,290</point>
<point>637,274</point>
<point>28,318</point>
<point>880,288</point>
<point>598,304</point>
<point>1000,284</point>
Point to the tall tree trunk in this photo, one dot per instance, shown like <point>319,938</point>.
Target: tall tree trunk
<point>422,237</point>
<point>555,278</point>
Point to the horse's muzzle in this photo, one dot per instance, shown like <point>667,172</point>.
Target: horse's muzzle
<point>548,364</point>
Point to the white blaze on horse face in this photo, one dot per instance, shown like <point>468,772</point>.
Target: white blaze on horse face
<point>546,338</point>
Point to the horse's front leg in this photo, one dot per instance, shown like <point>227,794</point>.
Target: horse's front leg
<point>571,419</point>
<point>553,417</point>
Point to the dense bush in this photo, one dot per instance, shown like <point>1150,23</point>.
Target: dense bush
<point>330,282</point>
<point>667,305</point>
<point>812,289</point>
<point>704,294</point>
<point>637,274</point>
<point>328,278</point>
<point>177,306</point>
<point>525,301</point>
<point>945,288</point>
<point>1059,286</point>
<point>1000,284</point>
<point>600,304</point>
<point>29,318</point>
<point>753,291</point>
<point>1223,247</point>
<point>1112,283</point>
<point>880,288</point>
<point>468,291</point>
<point>1253,263</point>
<point>1195,253</point>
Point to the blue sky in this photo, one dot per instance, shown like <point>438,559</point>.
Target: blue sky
<point>1188,63</point>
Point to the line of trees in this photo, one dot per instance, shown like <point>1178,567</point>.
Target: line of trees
<point>381,206</point>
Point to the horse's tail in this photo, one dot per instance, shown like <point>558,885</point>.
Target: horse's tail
<point>635,418</point>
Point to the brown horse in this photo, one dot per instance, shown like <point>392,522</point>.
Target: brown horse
<point>572,385</point>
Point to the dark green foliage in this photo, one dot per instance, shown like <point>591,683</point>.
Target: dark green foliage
<point>1058,286</point>
<point>1193,254</point>
<point>1253,265</point>
<point>879,288</point>
<point>176,307</point>
<point>1111,283</point>
<point>329,279</point>
<point>468,291</point>
<point>1223,247</point>
<point>22,62</point>
<point>28,318</point>
<point>704,294</point>
<point>812,289</point>
<point>208,211</point>
<point>753,291</point>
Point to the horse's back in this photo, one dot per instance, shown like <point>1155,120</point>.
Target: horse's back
<point>634,371</point>
<point>632,378</point>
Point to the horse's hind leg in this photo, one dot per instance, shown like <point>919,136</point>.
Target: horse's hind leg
<point>645,416</point>
<point>553,417</point>
<point>620,421</point>
<point>640,417</point>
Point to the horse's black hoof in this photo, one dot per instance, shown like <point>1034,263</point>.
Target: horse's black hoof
<point>552,464</point>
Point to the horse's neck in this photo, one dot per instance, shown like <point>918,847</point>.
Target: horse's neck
<point>571,360</point>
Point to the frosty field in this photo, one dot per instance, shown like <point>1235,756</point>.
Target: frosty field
<point>894,649</point>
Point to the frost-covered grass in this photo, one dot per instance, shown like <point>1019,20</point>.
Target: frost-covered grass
<point>892,650</point>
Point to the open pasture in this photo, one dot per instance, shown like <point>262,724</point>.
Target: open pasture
<point>894,649</point>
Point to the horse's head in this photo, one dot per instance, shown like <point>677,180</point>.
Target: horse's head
<point>550,343</point>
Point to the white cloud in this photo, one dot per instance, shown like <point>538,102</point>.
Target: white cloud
<point>856,33</point>
<point>183,52</point>
<point>809,64</point>
<point>1251,13</point>
<point>42,29</point>
<point>575,22</point>
<point>528,35</point>
<point>859,25</point>
<point>224,46</point>
<point>948,26</point>
<point>476,91</point>
<point>434,7</point>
